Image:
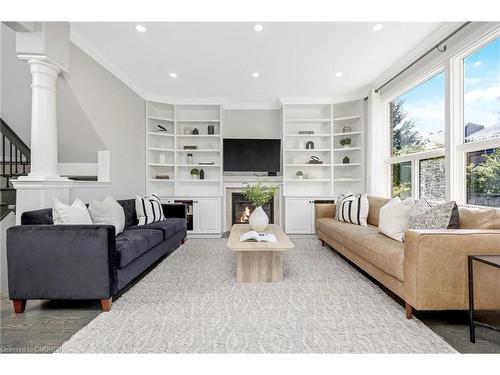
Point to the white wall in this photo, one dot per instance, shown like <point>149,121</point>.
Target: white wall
<point>95,111</point>
<point>252,123</point>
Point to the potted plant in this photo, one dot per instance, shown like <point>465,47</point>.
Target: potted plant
<point>258,195</point>
<point>300,175</point>
<point>195,172</point>
<point>346,142</point>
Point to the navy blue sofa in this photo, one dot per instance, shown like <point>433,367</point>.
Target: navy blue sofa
<point>47,261</point>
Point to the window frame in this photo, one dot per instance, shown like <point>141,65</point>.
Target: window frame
<point>458,147</point>
<point>417,156</point>
<point>455,149</point>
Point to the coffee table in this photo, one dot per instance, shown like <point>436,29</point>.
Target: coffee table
<point>259,261</point>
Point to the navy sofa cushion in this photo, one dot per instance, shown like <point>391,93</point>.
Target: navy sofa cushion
<point>37,217</point>
<point>169,226</point>
<point>129,210</point>
<point>131,244</point>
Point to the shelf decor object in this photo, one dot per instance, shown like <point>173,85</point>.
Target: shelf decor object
<point>346,129</point>
<point>211,130</point>
<point>346,142</point>
<point>346,160</point>
<point>188,130</point>
<point>162,177</point>
<point>300,175</point>
<point>162,129</point>
<point>314,160</point>
<point>195,173</point>
<point>310,145</point>
<point>195,131</point>
<point>306,132</point>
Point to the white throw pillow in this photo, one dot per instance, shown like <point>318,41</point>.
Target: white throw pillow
<point>393,217</point>
<point>108,212</point>
<point>354,209</point>
<point>148,209</point>
<point>77,213</point>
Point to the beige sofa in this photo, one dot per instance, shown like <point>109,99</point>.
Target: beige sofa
<point>429,270</point>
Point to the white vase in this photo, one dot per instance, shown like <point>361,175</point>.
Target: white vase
<point>258,220</point>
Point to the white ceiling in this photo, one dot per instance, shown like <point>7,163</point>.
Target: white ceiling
<point>217,59</point>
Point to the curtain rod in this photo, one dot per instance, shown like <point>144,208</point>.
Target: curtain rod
<point>437,46</point>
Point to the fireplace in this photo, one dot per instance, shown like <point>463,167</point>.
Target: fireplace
<point>241,209</point>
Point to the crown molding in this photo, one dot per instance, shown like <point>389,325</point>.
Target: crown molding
<point>253,106</point>
<point>324,100</point>
<point>90,50</point>
<point>185,100</point>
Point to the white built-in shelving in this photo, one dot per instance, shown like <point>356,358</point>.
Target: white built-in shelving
<point>166,153</point>
<point>327,123</point>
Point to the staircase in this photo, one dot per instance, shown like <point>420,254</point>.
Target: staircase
<point>14,162</point>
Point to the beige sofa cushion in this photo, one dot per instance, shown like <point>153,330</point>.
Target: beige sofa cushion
<point>375,204</point>
<point>471,217</point>
<point>382,251</point>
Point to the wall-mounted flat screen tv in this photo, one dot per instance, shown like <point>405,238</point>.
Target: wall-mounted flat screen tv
<point>252,155</point>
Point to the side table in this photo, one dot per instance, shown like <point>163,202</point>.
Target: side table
<point>493,261</point>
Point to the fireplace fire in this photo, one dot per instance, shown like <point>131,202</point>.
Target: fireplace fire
<point>242,209</point>
<point>245,215</point>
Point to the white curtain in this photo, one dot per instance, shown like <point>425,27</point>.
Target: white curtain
<point>377,146</point>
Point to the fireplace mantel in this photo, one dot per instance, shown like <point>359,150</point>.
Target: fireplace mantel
<point>236,186</point>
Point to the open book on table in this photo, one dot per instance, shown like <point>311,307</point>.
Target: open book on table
<point>257,237</point>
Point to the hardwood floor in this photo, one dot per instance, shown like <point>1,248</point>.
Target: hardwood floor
<point>44,326</point>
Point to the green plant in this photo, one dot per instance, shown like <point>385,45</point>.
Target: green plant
<point>195,172</point>
<point>406,139</point>
<point>299,173</point>
<point>259,194</point>
<point>345,141</point>
<point>483,178</point>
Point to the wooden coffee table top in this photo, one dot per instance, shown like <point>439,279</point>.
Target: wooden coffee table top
<point>235,244</point>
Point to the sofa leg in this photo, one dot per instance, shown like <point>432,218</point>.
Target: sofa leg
<point>19,305</point>
<point>106,304</point>
<point>323,243</point>
<point>183,241</point>
<point>409,310</point>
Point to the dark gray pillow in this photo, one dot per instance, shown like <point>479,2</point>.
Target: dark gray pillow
<point>438,216</point>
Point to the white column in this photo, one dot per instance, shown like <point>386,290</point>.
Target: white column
<point>43,121</point>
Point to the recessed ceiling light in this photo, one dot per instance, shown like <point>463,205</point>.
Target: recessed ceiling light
<point>377,27</point>
<point>258,27</point>
<point>173,75</point>
<point>140,28</point>
<point>338,74</point>
<point>255,75</point>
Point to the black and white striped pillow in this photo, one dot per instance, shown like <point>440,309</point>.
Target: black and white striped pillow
<point>148,209</point>
<point>354,209</point>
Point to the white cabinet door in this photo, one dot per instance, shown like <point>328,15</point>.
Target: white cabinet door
<point>299,215</point>
<point>206,214</point>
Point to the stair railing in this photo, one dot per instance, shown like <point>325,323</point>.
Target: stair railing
<point>16,150</point>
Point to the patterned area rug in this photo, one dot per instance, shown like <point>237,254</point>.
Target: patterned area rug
<point>191,303</point>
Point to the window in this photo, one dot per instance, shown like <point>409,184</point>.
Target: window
<point>483,177</point>
<point>482,93</point>
<point>401,180</point>
<point>417,118</point>
<point>432,179</point>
